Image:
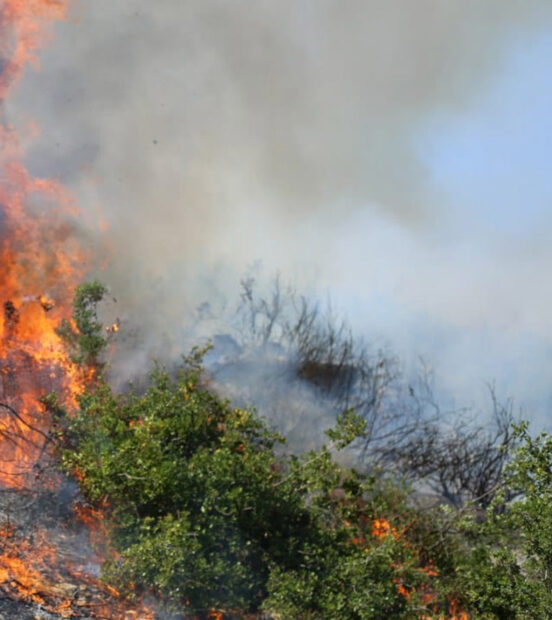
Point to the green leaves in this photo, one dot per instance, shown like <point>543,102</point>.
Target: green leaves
<point>203,510</point>
<point>189,481</point>
<point>84,337</point>
<point>349,426</point>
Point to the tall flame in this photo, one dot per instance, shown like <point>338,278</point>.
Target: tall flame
<point>41,262</point>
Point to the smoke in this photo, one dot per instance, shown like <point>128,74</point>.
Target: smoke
<point>210,134</point>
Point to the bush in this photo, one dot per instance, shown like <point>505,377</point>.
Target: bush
<point>202,508</point>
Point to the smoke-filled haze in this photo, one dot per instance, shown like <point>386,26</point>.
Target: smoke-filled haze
<point>391,154</point>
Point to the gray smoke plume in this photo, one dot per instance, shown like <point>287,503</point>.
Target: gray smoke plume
<point>208,134</point>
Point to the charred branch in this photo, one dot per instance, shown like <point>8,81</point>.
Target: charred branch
<point>460,462</point>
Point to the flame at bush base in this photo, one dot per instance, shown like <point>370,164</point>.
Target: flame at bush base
<point>46,574</point>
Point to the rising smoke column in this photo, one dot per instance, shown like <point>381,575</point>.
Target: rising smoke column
<point>214,131</point>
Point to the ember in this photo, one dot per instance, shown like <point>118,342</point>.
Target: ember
<point>46,303</point>
<point>114,328</point>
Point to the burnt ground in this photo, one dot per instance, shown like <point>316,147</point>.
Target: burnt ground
<point>48,564</point>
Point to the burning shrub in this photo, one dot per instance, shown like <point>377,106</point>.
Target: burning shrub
<point>199,507</point>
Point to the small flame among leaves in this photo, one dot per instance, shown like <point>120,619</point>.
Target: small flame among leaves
<point>113,328</point>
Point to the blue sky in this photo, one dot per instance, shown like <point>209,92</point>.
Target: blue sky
<point>494,160</point>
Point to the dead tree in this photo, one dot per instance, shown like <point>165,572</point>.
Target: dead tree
<point>454,457</point>
<point>341,369</point>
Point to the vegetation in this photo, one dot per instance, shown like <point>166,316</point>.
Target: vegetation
<point>406,432</point>
<point>84,337</point>
<point>204,508</point>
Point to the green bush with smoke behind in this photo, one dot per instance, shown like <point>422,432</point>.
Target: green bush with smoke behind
<point>204,508</point>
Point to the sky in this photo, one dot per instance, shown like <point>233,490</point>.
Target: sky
<point>471,295</point>
<point>494,158</point>
<point>393,156</point>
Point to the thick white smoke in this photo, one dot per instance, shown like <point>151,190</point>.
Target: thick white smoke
<point>209,134</point>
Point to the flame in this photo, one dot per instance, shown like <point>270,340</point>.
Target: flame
<point>46,303</point>
<point>95,522</point>
<point>114,328</point>
<point>38,253</point>
<point>36,573</point>
<point>381,528</point>
<point>29,23</point>
<point>455,611</point>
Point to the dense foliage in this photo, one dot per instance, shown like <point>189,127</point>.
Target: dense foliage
<point>204,511</point>
<point>204,508</point>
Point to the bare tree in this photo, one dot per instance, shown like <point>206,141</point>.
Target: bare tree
<point>342,370</point>
<point>453,456</point>
<point>447,453</point>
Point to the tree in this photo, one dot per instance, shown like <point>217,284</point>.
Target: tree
<point>202,509</point>
<point>341,370</point>
<point>405,429</point>
<point>460,461</point>
<point>505,571</point>
<point>200,506</point>
<point>84,336</point>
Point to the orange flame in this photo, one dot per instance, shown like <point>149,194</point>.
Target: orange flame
<point>114,328</point>
<point>36,573</point>
<point>381,528</point>
<point>46,303</point>
<point>37,253</point>
<point>29,22</point>
<point>455,612</point>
